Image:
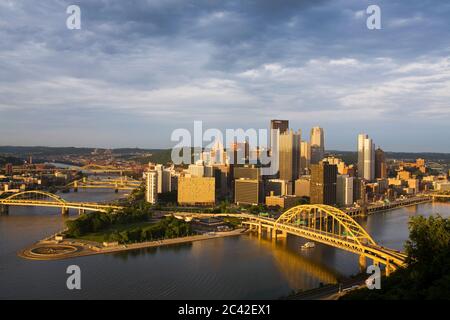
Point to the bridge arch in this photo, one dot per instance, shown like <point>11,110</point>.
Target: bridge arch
<point>45,199</point>
<point>327,219</point>
<point>37,194</point>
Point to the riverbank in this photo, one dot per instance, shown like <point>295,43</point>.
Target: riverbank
<point>50,249</point>
<point>375,208</point>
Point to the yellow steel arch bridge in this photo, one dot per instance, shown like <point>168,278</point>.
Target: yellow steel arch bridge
<point>96,168</point>
<point>123,183</point>
<point>37,198</point>
<point>324,224</point>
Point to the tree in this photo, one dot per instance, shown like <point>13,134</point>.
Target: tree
<point>427,275</point>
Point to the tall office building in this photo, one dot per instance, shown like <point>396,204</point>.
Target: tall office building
<point>247,172</point>
<point>305,156</point>
<point>248,185</point>
<point>159,168</point>
<point>366,157</point>
<point>282,125</point>
<point>317,145</point>
<point>222,174</point>
<point>248,191</point>
<point>344,190</point>
<point>323,183</point>
<point>241,152</point>
<point>151,190</point>
<point>166,181</point>
<point>357,189</point>
<point>289,157</point>
<point>164,177</point>
<point>380,164</point>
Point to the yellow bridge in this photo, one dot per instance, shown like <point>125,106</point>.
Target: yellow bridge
<point>95,168</point>
<point>324,224</point>
<point>439,195</point>
<point>45,199</point>
<point>117,184</point>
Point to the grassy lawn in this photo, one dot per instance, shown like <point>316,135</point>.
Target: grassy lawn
<point>100,236</point>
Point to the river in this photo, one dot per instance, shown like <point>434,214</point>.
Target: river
<point>241,267</point>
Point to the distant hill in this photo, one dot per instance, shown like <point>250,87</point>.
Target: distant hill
<point>27,151</point>
<point>7,159</point>
<point>163,155</point>
<point>40,153</point>
<point>352,156</point>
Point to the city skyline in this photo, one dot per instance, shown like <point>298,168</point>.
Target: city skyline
<point>304,139</point>
<point>134,73</point>
<point>228,157</point>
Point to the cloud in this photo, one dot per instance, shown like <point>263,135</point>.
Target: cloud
<point>406,22</point>
<point>156,64</point>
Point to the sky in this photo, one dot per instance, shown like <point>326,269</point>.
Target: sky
<point>137,70</point>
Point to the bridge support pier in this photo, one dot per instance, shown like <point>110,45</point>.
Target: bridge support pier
<point>4,210</point>
<point>282,234</point>
<point>269,232</point>
<point>388,269</point>
<point>65,211</point>
<point>275,234</point>
<point>362,263</point>
<point>75,186</point>
<point>81,211</point>
<point>364,211</point>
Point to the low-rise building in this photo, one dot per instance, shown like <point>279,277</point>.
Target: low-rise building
<point>303,187</point>
<point>196,191</point>
<point>285,201</point>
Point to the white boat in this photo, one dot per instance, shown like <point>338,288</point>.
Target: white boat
<point>308,245</point>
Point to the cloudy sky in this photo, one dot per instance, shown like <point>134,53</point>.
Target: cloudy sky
<point>139,69</point>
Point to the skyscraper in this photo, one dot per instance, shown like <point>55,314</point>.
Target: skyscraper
<point>366,157</point>
<point>289,157</point>
<point>317,145</point>
<point>151,190</point>
<point>305,156</point>
<point>282,125</point>
<point>323,183</point>
<point>344,190</point>
<point>159,168</point>
<point>248,185</point>
<point>380,164</point>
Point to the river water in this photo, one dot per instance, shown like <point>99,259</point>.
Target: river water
<point>241,267</point>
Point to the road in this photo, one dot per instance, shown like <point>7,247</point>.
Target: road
<point>329,292</point>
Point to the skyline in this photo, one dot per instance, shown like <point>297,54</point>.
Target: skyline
<point>134,73</point>
<point>305,137</point>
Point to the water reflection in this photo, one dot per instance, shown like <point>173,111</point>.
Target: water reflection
<point>125,255</point>
<point>299,270</point>
<point>242,267</point>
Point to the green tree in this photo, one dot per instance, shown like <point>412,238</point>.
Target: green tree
<point>427,275</point>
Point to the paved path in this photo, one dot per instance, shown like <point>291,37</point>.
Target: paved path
<point>87,248</point>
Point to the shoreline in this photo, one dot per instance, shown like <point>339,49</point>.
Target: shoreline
<point>82,248</point>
